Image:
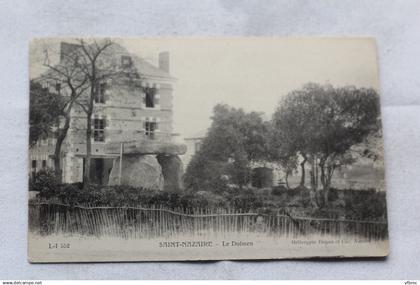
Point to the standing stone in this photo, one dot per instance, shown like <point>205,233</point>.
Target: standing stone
<point>138,171</point>
<point>172,169</point>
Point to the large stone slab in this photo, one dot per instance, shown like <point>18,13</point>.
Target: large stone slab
<point>172,170</point>
<point>146,147</point>
<point>138,171</point>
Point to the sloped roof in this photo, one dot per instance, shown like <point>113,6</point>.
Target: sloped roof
<point>143,67</point>
<point>149,70</point>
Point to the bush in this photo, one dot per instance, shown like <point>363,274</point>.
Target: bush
<point>365,204</point>
<point>279,190</point>
<point>354,204</point>
<point>246,202</point>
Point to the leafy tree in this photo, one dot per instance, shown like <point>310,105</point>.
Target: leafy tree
<point>322,123</point>
<point>44,110</point>
<point>288,143</point>
<point>234,141</point>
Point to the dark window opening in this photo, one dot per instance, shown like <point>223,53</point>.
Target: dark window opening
<point>150,129</point>
<point>99,171</point>
<point>33,168</point>
<point>44,164</point>
<point>99,130</point>
<point>58,87</point>
<point>100,93</point>
<point>150,97</point>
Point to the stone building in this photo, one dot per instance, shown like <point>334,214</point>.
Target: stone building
<point>128,113</point>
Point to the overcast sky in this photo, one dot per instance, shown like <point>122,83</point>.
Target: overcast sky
<point>253,73</point>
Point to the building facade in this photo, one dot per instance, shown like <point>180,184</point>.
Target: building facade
<point>125,110</point>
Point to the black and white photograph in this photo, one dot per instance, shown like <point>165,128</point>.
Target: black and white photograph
<point>165,149</point>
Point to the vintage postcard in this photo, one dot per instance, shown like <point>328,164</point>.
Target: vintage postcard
<point>205,149</point>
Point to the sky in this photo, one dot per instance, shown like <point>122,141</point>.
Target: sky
<point>252,73</point>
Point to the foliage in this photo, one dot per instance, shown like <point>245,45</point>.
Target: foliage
<point>44,181</point>
<point>235,139</point>
<point>348,203</point>
<point>44,111</point>
<point>279,190</point>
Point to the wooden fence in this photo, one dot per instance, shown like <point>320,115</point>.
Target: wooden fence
<point>138,222</point>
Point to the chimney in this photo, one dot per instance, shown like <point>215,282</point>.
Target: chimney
<point>164,61</point>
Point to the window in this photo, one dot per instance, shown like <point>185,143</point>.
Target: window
<point>58,87</point>
<point>46,85</point>
<point>100,93</point>
<point>33,168</point>
<point>44,164</point>
<point>150,128</point>
<point>126,61</point>
<point>98,130</point>
<point>150,98</point>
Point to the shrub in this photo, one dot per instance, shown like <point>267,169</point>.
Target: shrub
<point>246,202</point>
<point>45,182</point>
<point>278,190</point>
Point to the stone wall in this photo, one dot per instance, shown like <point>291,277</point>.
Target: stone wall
<point>124,114</point>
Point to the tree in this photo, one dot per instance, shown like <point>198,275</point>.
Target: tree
<point>97,63</point>
<point>44,109</point>
<point>70,83</point>
<point>96,71</point>
<point>322,123</point>
<point>289,164</point>
<point>234,141</point>
<point>288,140</point>
<point>85,68</point>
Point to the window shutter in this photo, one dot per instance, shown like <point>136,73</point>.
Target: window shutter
<point>157,99</point>
<point>143,99</point>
